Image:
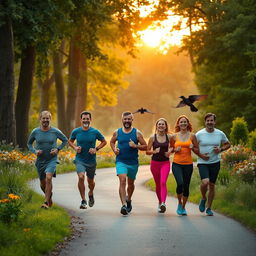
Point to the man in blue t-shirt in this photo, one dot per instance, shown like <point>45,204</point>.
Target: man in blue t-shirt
<point>130,140</point>
<point>211,143</point>
<point>46,150</point>
<point>85,160</point>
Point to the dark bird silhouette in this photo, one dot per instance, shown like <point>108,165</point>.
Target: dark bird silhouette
<point>142,111</point>
<point>190,100</point>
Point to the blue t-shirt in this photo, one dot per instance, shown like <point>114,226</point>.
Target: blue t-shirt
<point>46,141</point>
<point>207,141</point>
<point>86,139</point>
<point>127,154</point>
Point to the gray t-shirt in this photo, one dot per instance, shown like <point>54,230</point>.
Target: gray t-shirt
<point>46,141</point>
<point>207,141</point>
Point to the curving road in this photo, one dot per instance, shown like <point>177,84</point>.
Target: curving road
<point>144,231</point>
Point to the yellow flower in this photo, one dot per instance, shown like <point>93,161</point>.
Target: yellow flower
<point>4,201</point>
<point>12,196</point>
<point>26,229</point>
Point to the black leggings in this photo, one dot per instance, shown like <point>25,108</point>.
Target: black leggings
<point>182,174</point>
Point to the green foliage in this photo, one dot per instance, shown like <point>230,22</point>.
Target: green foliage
<point>252,140</point>
<point>239,131</point>
<point>10,208</point>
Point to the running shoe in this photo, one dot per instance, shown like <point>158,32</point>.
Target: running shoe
<point>162,208</point>
<point>45,206</point>
<point>202,205</point>
<point>91,200</point>
<point>209,212</point>
<point>184,212</point>
<point>124,210</point>
<point>129,205</point>
<point>179,209</point>
<point>83,204</point>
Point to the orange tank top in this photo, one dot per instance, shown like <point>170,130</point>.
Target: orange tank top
<point>184,155</point>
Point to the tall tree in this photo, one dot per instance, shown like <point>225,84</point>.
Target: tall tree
<point>7,125</point>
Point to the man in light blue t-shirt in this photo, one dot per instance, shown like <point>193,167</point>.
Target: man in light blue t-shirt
<point>85,161</point>
<point>211,143</point>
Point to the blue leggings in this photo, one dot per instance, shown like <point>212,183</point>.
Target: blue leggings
<point>182,174</point>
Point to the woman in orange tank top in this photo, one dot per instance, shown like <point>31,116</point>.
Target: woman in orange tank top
<point>183,142</point>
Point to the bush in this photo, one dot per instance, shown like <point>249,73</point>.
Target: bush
<point>252,140</point>
<point>246,170</point>
<point>239,131</point>
<point>235,155</point>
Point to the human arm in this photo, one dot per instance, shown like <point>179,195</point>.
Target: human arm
<point>142,145</point>
<point>170,149</point>
<point>226,145</point>
<point>103,142</point>
<point>113,143</point>
<point>30,142</point>
<point>71,143</point>
<point>64,141</point>
<point>150,151</point>
<point>195,146</point>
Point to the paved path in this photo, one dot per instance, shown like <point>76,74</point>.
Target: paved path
<point>144,231</point>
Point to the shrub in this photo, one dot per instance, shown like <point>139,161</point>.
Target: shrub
<point>10,208</point>
<point>239,131</point>
<point>252,140</point>
<point>246,170</point>
<point>235,155</point>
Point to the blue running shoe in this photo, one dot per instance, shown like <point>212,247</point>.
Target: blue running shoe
<point>202,205</point>
<point>209,212</point>
<point>184,212</point>
<point>179,209</point>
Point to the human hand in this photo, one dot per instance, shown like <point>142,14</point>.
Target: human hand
<point>78,149</point>
<point>132,144</point>
<point>157,150</point>
<point>168,153</point>
<point>177,149</point>
<point>54,151</point>
<point>205,156</point>
<point>116,151</point>
<point>191,145</point>
<point>92,151</point>
<point>39,152</point>
<point>216,149</point>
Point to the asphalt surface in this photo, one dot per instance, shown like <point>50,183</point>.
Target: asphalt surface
<point>145,231</point>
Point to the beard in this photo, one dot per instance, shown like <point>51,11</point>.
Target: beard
<point>86,124</point>
<point>127,125</point>
<point>45,123</point>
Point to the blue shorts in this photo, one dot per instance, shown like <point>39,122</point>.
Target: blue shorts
<point>90,169</point>
<point>130,170</point>
<point>44,167</point>
<point>209,171</point>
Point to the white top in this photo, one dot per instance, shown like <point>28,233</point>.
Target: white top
<point>207,141</point>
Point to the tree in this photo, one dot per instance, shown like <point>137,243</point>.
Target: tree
<point>7,125</point>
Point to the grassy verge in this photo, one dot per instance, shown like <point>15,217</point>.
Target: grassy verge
<point>236,199</point>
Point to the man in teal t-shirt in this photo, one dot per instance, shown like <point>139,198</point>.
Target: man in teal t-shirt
<point>46,150</point>
<point>85,161</point>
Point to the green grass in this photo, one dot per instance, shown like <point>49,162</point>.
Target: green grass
<point>37,230</point>
<point>235,199</point>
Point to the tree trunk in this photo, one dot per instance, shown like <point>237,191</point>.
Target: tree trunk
<point>7,123</point>
<point>24,95</point>
<point>44,88</point>
<point>73,80</point>
<point>60,92</point>
<point>82,90</point>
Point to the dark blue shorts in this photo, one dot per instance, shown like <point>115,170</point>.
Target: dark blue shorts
<point>209,171</point>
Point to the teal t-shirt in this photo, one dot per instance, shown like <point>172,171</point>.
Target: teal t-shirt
<point>86,139</point>
<point>46,141</point>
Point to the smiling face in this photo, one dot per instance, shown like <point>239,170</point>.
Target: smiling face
<point>183,123</point>
<point>45,120</point>
<point>161,126</point>
<point>86,121</point>
<point>210,123</point>
<point>127,121</point>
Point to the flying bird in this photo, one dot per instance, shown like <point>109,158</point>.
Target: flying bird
<point>190,100</point>
<point>142,111</point>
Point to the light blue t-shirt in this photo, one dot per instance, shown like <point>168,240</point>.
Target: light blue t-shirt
<point>46,141</point>
<point>86,139</point>
<point>207,141</point>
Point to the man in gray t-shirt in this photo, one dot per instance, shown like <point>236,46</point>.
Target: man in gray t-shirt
<point>211,143</point>
<point>46,150</point>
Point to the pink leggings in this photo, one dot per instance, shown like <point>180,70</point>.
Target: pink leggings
<point>160,171</point>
